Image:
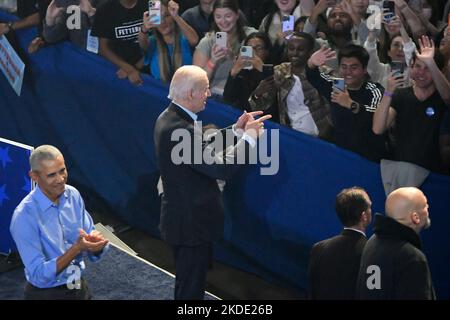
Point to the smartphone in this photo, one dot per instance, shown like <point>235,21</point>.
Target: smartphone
<point>388,10</point>
<point>267,71</point>
<point>339,83</point>
<point>247,51</point>
<point>221,39</point>
<point>398,68</point>
<point>288,23</point>
<point>154,11</point>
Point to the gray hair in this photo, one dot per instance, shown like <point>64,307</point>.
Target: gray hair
<point>186,78</point>
<point>43,153</point>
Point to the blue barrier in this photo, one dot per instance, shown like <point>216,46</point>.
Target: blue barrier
<point>104,127</point>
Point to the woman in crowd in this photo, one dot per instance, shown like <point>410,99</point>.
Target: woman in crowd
<point>167,46</point>
<point>246,73</point>
<point>218,60</point>
<point>400,51</point>
<point>272,22</point>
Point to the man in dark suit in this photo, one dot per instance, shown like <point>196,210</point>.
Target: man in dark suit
<point>334,263</point>
<point>192,214</point>
<point>393,266</point>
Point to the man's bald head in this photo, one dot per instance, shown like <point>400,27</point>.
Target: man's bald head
<point>409,207</point>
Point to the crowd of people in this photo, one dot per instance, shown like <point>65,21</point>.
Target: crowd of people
<point>371,77</point>
<point>351,72</point>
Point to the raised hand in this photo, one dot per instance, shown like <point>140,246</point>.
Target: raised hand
<point>427,50</point>
<point>53,12</point>
<point>347,7</point>
<point>86,7</point>
<point>173,8</point>
<point>321,56</point>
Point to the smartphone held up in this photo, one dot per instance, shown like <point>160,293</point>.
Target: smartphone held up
<point>154,12</point>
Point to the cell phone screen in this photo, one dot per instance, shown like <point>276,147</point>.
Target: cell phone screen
<point>288,23</point>
<point>389,7</point>
<point>267,71</point>
<point>397,68</point>
<point>339,83</point>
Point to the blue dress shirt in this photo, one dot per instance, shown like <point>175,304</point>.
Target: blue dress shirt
<point>44,231</point>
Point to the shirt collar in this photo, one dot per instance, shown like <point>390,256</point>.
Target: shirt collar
<point>43,201</point>
<point>356,230</point>
<point>189,112</point>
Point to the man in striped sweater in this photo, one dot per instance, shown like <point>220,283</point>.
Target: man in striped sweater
<point>353,99</point>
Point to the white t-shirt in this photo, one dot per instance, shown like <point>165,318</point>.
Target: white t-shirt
<point>299,113</point>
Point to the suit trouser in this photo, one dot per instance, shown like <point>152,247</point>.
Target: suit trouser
<point>191,267</point>
<point>57,293</point>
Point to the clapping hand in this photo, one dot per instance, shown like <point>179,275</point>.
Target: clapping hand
<point>93,242</point>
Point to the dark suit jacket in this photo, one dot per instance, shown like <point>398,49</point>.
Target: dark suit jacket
<point>334,265</point>
<point>191,206</point>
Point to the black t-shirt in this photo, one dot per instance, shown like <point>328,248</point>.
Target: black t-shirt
<point>417,127</point>
<point>121,26</point>
<point>445,127</point>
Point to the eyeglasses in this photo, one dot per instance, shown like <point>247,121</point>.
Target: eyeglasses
<point>259,48</point>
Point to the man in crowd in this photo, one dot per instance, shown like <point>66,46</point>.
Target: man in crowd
<point>417,111</point>
<point>354,103</point>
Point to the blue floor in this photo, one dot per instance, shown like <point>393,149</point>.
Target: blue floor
<point>118,276</point>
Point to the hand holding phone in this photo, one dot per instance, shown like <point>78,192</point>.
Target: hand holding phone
<point>388,10</point>
<point>154,12</point>
<point>287,23</point>
<point>221,39</point>
<point>247,53</point>
<point>339,83</point>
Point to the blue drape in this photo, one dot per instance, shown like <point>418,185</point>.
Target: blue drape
<point>104,127</point>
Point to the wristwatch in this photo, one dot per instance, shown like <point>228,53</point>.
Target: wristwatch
<point>354,107</point>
